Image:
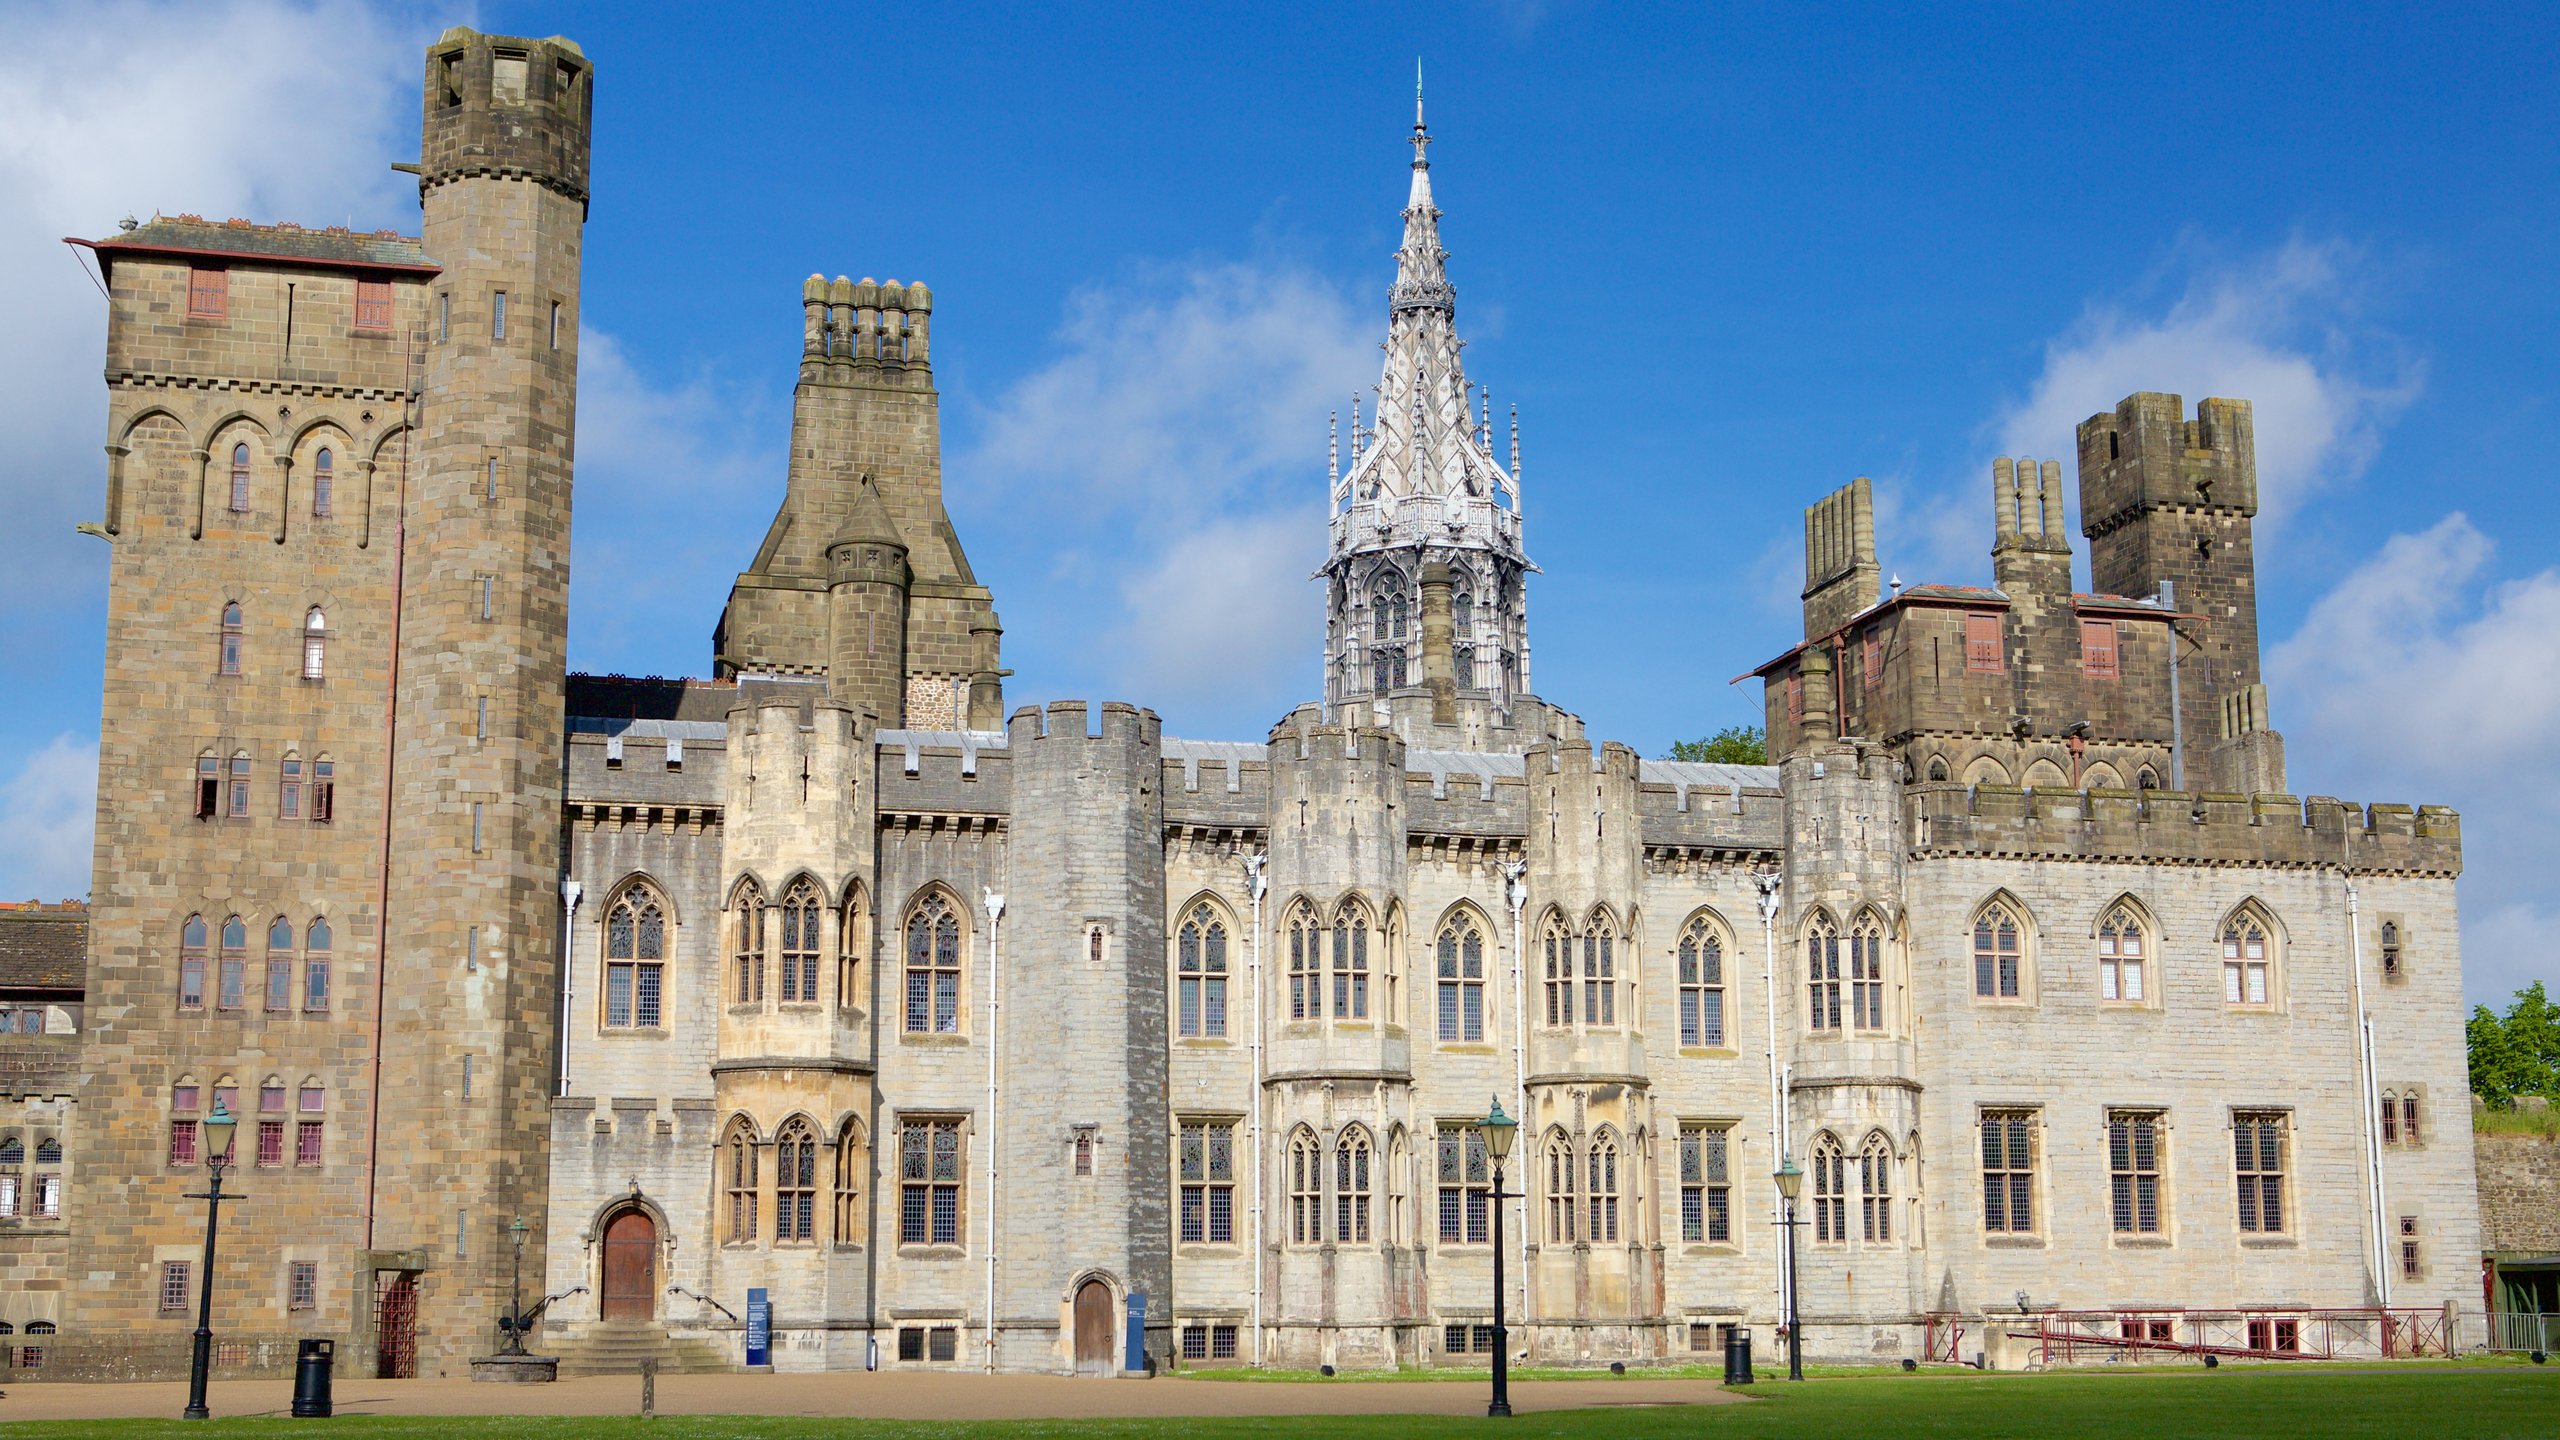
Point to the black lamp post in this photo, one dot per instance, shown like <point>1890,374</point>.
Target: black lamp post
<point>514,1323</point>
<point>1791,1184</point>
<point>218,1130</point>
<point>1498,1129</point>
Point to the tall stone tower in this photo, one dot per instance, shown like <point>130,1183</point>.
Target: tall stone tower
<point>2168,499</point>
<point>471,966</point>
<point>1425,614</point>
<point>862,578</point>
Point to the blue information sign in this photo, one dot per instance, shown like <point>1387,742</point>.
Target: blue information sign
<point>1137,1359</point>
<point>759,1328</point>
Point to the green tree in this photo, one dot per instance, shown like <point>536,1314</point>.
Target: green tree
<point>2517,1053</point>
<point>1733,745</point>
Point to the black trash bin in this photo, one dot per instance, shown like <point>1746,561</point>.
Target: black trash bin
<point>1737,1355</point>
<point>311,1378</point>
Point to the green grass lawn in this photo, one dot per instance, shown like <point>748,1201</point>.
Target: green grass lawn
<point>2457,1402</point>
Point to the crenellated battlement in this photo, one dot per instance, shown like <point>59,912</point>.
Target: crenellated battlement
<point>1064,720</point>
<point>2179,827</point>
<point>864,324</point>
<point>2147,452</point>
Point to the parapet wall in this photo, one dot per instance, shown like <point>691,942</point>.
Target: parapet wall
<point>1952,819</point>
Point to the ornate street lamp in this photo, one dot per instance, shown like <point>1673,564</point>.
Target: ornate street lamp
<point>1498,1130</point>
<point>513,1324</point>
<point>1790,1185</point>
<point>218,1130</point>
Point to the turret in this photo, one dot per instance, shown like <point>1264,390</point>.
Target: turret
<point>867,584</point>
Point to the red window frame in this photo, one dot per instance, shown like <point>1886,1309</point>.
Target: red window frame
<point>373,304</point>
<point>208,293</point>
<point>1983,648</point>
<point>2098,649</point>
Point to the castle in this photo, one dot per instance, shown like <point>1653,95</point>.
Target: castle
<point>1044,1040</point>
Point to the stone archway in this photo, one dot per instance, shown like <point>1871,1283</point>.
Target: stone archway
<point>627,1288</point>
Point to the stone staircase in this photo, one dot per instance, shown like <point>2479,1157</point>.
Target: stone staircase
<point>617,1348</point>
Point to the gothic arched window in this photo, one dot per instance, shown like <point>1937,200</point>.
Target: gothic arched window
<point>315,645</point>
<point>2248,959</point>
<point>1600,970</point>
<point>635,952</point>
<point>316,943</point>
<point>1460,963</point>
<point>1201,974</point>
<point>1701,985</point>
<point>1555,944</point>
<point>1998,953</point>
<point>324,482</point>
<point>1306,965</point>
<point>1561,1200</point>
<point>801,907</point>
<point>240,477</point>
<point>1875,1186</point>
<point>933,967</point>
<point>234,632</point>
<point>795,1182</point>
<point>1822,973</point>
<point>1306,1189</point>
<point>853,937</point>
<point>231,991</point>
<point>748,950</point>
<point>738,1164</point>
<point>1351,1156</point>
<point>1351,962</point>
<point>1830,1188</point>
<point>279,966</point>
<point>192,938</point>
<point>2122,953</point>
<point>1866,972</point>
<point>853,1166</point>
<point>1601,1198</point>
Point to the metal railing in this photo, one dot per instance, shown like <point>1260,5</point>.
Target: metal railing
<point>2524,1332</point>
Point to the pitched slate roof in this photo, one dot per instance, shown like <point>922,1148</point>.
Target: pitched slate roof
<point>44,947</point>
<point>334,246</point>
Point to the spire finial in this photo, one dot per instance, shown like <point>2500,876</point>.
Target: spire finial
<point>1421,134</point>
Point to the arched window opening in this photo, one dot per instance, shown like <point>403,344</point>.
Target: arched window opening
<point>279,966</point>
<point>239,477</point>
<point>748,969</point>
<point>1938,767</point>
<point>324,483</point>
<point>2147,779</point>
<point>1875,1187</point>
<point>1996,953</point>
<point>1459,961</point>
<point>236,802</point>
<point>1306,1190</point>
<point>2122,953</point>
<point>315,645</point>
<point>1701,985</point>
<point>801,907</point>
<point>1866,973</point>
<point>2409,1117</point>
<point>1601,1199</point>
<point>2391,949</point>
<point>1830,1192</point>
<point>635,952</point>
<point>795,1182</point>
<point>853,937</point>
<point>1351,1187</point>
<point>1462,615</point>
<point>271,1121</point>
<point>738,1167</point>
<point>1562,1203</point>
<point>2390,1117</point>
<point>1306,963</point>
<point>192,944</point>
<point>234,632</point>
<point>933,967</point>
<point>1822,974</point>
<point>1350,963</point>
<point>1600,971</point>
<point>1555,943</point>
<point>2246,961</point>
<point>316,943</point>
<point>1200,966</point>
<point>232,985</point>
<point>853,1167</point>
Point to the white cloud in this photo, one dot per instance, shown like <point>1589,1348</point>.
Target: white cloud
<point>48,813</point>
<point>112,109</point>
<point>2420,678</point>
<point>1154,490</point>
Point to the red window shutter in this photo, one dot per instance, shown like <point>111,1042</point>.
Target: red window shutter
<point>2098,649</point>
<point>1874,657</point>
<point>1982,646</point>
<point>209,294</point>
<point>1795,698</point>
<point>373,304</point>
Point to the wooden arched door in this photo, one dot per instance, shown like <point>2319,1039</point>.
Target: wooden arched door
<point>1093,1328</point>
<point>630,1290</point>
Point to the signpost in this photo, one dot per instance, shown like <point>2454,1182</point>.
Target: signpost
<point>1137,1357</point>
<point>759,1331</point>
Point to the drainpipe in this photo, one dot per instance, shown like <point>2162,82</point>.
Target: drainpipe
<point>570,893</point>
<point>2177,708</point>
<point>995,1143</point>
<point>1256,886</point>
<point>1515,893</point>
<point>2379,1252</point>
<point>1768,882</point>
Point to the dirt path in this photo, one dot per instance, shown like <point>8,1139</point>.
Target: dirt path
<point>884,1395</point>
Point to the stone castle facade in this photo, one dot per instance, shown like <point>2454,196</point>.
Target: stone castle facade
<point>984,1039</point>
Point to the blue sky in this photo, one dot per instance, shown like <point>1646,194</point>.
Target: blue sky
<point>1723,260</point>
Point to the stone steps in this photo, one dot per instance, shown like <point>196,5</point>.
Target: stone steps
<point>619,1349</point>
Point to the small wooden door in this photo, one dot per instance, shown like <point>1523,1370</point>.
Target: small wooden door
<point>1093,1328</point>
<point>630,1267</point>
